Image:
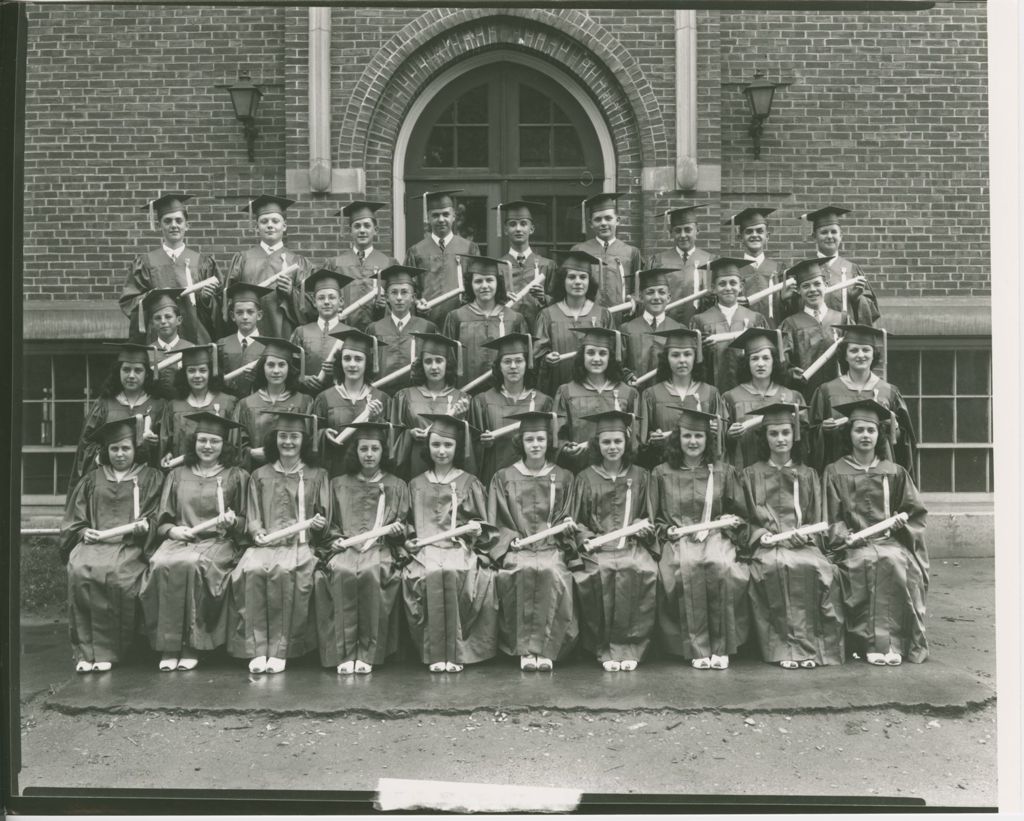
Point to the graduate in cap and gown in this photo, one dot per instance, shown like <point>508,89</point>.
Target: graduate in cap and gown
<point>858,356</point>
<point>287,306</point>
<point>513,392</point>
<point>687,262</point>
<point>127,393</point>
<point>436,254</point>
<point>394,331</point>
<point>275,388</point>
<point>271,617</point>
<point>104,571</point>
<point>885,576</point>
<point>351,396</point>
<point>172,265</point>
<point>536,614</point>
<point>315,338</point>
<point>616,582</point>
<point>761,271</point>
<point>162,310</point>
<point>243,307</point>
<point>640,342</point>
<point>795,596</point>
<point>184,590</point>
<point>448,587</point>
<point>362,262</point>
<point>619,261</point>
<point>859,301</point>
<point>516,222</point>
<point>760,374</point>
<point>356,591</point>
<point>702,584</point>
<point>573,305</point>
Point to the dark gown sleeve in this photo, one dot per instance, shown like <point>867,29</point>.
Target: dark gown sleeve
<point>911,536</point>
<point>834,507</point>
<point>734,501</point>
<point>85,455</point>
<point>76,515</point>
<point>151,482</point>
<point>820,408</point>
<point>168,514</point>
<point>493,540</point>
<point>904,450</point>
<point>208,309</point>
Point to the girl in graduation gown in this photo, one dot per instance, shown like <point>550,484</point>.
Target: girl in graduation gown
<point>184,591</point>
<point>760,374</point>
<point>884,577</point>
<point>512,375</point>
<point>536,616</point>
<point>448,587</point>
<point>271,617</point>
<point>350,397</point>
<point>702,585</point>
<point>857,355</point>
<point>197,385</point>
<point>597,386</point>
<point>275,388</point>
<point>794,589</point>
<point>356,592</point>
<point>574,305</point>
<point>104,572</point>
<point>484,317</point>
<point>677,385</point>
<point>615,583</point>
<point>433,374</point>
<point>127,393</point>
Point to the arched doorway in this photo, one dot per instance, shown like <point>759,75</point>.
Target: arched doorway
<point>501,132</point>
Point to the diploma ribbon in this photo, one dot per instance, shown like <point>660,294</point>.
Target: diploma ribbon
<point>709,499</point>
<point>625,514</point>
<point>302,505</point>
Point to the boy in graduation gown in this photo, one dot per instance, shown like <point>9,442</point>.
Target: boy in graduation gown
<point>687,262</point>
<point>515,220</point>
<point>162,309</point>
<point>808,333</point>
<point>394,331</point>
<point>172,265</point>
<point>436,254</point>
<point>315,338</point>
<point>242,305</point>
<point>760,272</point>
<point>858,301</point>
<point>640,344</point>
<point>726,316</point>
<point>362,262</point>
<point>619,261</point>
<point>286,307</point>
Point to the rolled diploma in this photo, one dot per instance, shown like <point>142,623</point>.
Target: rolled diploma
<point>646,377</point>
<point>166,362</point>
<point>391,377</point>
<point>237,372</point>
<point>454,533</point>
<point>538,279</point>
<point>686,299</point>
<point>839,286</point>
<point>715,524</point>
<point>757,296</point>
<point>147,425</point>
<point>269,281</point>
<point>202,527</point>
<point>121,530</point>
<point>369,296</point>
<point>723,337</point>
<point>437,300</point>
<point>841,420</point>
<point>198,286</point>
<point>819,363</point>
<point>363,416</point>
<point>368,536</point>
<point>600,541</point>
<point>333,352</point>
<point>541,535</point>
<point>880,527</point>
<point>285,532</point>
<point>477,382</point>
<point>177,460</point>
<point>505,430</point>
<point>563,356</point>
<point>806,530</point>
<point>622,307</point>
<point>751,422</point>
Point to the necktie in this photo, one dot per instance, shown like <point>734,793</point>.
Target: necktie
<point>245,343</point>
<point>654,323</point>
<point>521,260</point>
<point>686,256</point>
<point>361,255</point>
<point>440,245</point>
<point>606,246</point>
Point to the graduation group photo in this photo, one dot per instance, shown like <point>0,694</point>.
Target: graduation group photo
<point>488,345</point>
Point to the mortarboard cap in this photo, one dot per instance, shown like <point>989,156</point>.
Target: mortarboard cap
<point>598,202</point>
<point>536,422</point>
<point>359,209</point>
<point>867,409</point>
<point>807,269</point>
<point>602,337</point>
<point>684,215</point>
<point>201,355</point>
<point>165,204</point>
<point>325,278</point>
<point>401,275</point>
<point>829,215</point>
<point>578,261</point>
<point>282,349</point>
<point>693,419</point>
<point>612,420</point>
<point>381,431</point>
<point>355,340</point>
<point>724,266</point>
<point>436,200</point>
<point>515,210</point>
<point>207,422</point>
<point>267,203</point>
<point>243,292</point>
<point>781,413</point>
<point>682,338</point>
<point>116,430</point>
<point>486,266</point>
<point>159,298</point>
<point>750,216</point>
<point>439,345</point>
<point>291,421</point>
<point>863,335</point>
<point>451,427</point>
<point>512,344</point>
<point>650,277</point>
<point>132,352</point>
<point>756,339</point>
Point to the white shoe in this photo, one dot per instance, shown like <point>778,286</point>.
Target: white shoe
<point>167,664</point>
<point>719,662</point>
<point>437,667</point>
<point>528,664</point>
<point>545,665</point>
<point>188,663</point>
<point>452,667</point>
<point>789,664</point>
<point>701,663</point>
<point>878,659</point>
<point>893,659</point>
<point>102,666</point>
<point>611,666</point>
<point>258,665</point>
<point>275,665</point>
<point>628,665</point>
<point>346,668</point>
<point>362,668</point>
<point>83,667</point>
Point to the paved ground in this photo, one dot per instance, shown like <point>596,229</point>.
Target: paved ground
<point>919,730</point>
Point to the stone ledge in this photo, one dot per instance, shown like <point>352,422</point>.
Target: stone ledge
<point>937,315</point>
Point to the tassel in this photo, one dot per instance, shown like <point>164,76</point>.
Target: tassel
<point>626,517</point>
<point>551,499</point>
<point>796,502</point>
<point>188,281</point>
<point>136,506</point>
<point>214,359</point>
<point>885,497</point>
<point>622,280</point>
<point>501,325</point>
<point>842,278</point>
<point>455,505</point>
<point>709,500</point>
<point>378,520</point>
<point>533,401</point>
<point>220,496</point>
<point>583,217</point>
<point>302,505</point>
<point>615,399</point>
<point>499,225</point>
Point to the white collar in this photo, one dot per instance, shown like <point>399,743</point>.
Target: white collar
<point>209,400</point>
<point>195,470</point>
<point>544,471</point>
<point>271,249</point>
<point>588,306</point>
<point>376,479</point>
<point>611,242</point>
<point>658,320</point>
<point>528,393</point>
<point>131,473</point>
<point>599,469</point>
<point>758,259</point>
<point>344,394</point>
<point>497,310</point>
<point>524,254</point>
<point>827,257</point>
<point>173,253</point>
<point>366,251</point>
<point>789,464</point>
<point>400,323</point>
<point>167,346</point>
<point>326,325</point>
<point>855,464</point>
<point>447,240</point>
<point>770,391</point>
<point>729,313</point>
<point>451,477</point>
<point>251,337</point>
<point>122,399</point>
<point>280,468</point>
<point>867,386</point>
<point>816,315</point>
<point>264,394</point>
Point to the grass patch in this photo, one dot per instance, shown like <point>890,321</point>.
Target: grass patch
<point>44,578</point>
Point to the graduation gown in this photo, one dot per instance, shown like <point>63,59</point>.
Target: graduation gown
<point>104,577</point>
<point>440,276</point>
<point>154,269</point>
<point>184,589</point>
<point>336,410</point>
<point>658,411</point>
<point>394,346</point>
<point>490,410</point>
<point>163,383</point>
<point>720,361</point>
<point>282,314</point>
<point>107,409</point>
<point>356,591</point>
<point>827,446</point>
<point>805,339</point>
<point>523,273</point>
<point>407,409</point>
<point>756,278</point>
<point>318,344</point>
<point>255,424</point>
<point>740,403</point>
<point>472,327</point>
<point>271,612</point>
<point>536,615</point>
<point>863,308</point>
<point>231,357</point>
<point>614,286</point>
<point>885,582</point>
<point>795,596</point>
<point>702,588</point>
<point>175,429</point>
<point>575,400</point>
<point>684,281</point>
<point>616,583</point>
<point>448,589</point>
<point>640,347</point>
<point>554,333</point>
<point>361,271</point>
